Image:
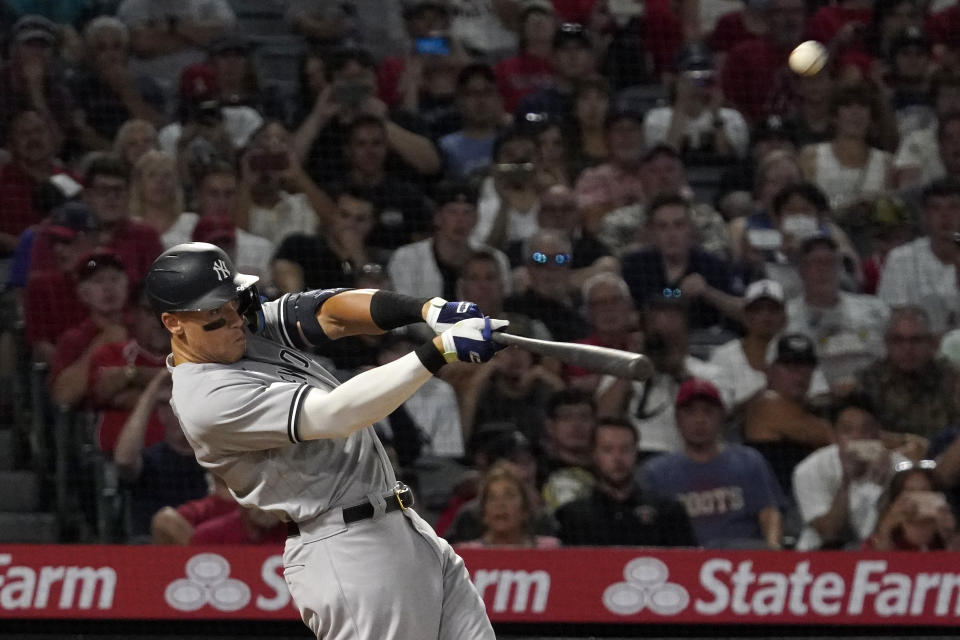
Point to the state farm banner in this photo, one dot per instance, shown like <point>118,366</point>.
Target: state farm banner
<point>628,585</point>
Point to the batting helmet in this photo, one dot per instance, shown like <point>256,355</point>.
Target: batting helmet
<point>196,276</point>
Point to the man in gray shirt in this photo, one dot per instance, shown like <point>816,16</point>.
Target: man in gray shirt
<point>264,416</point>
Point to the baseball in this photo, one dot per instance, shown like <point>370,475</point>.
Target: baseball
<point>808,58</point>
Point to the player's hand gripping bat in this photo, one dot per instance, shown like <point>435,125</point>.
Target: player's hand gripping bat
<point>622,364</point>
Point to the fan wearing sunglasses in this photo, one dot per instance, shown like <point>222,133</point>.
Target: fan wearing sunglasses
<point>549,261</point>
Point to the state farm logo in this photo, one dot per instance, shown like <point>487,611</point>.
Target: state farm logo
<point>207,582</point>
<point>646,586</point>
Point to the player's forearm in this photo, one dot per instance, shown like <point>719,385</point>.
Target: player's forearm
<point>361,400</point>
<point>368,312</point>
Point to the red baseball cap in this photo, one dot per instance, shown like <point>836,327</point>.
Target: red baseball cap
<point>694,389</point>
<point>198,83</point>
<point>214,229</point>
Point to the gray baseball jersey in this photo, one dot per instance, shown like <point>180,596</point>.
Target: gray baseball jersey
<point>388,577</point>
<point>241,420</point>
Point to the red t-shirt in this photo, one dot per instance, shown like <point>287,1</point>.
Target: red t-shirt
<point>574,10</point>
<point>756,79</point>
<point>521,75</point>
<point>50,306</point>
<point>662,34</point>
<point>944,27</point>
<point>232,528</point>
<point>729,32</point>
<point>72,344</point>
<point>201,510</point>
<point>137,244</point>
<point>17,208</point>
<point>111,419</point>
<point>389,73</point>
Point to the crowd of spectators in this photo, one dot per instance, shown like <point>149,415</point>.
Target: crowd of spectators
<point>640,174</point>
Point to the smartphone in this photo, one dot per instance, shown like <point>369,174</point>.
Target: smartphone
<point>269,161</point>
<point>352,94</point>
<point>432,46</point>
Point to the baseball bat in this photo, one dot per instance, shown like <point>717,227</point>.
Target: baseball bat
<point>622,364</point>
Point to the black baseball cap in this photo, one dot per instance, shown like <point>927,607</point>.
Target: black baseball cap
<point>774,127</point>
<point>571,33</point>
<point>454,191</point>
<point>694,57</point>
<point>71,219</point>
<point>231,42</point>
<point>96,260</point>
<point>624,112</point>
<point>911,36</point>
<point>795,348</point>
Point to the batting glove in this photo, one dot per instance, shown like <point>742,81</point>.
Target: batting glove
<point>469,340</point>
<point>442,315</point>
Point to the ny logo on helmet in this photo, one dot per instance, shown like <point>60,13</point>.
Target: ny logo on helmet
<point>221,269</point>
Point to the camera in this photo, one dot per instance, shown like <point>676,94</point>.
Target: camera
<point>516,174</point>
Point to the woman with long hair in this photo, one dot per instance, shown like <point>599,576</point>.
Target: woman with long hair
<point>913,512</point>
<point>156,198</point>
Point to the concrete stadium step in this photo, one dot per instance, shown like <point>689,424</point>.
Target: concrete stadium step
<point>8,449</point>
<point>19,491</point>
<point>29,528</point>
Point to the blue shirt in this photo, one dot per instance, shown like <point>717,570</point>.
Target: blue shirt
<point>464,155</point>
<point>723,497</point>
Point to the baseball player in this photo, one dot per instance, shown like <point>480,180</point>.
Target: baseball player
<point>286,437</point>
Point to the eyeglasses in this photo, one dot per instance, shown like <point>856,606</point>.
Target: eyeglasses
<point>560,259</point>
<point>669,292</point>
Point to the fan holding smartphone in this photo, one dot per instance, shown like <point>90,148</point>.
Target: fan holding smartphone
<point>914,513</point>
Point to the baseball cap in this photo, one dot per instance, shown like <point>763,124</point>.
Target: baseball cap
<point>214,229</point>
<point>230,42</point>
<point>571,33</point>
<point>507,446</point>
<point>198,83</point>
<point>545,6</point>
<point>623,112</point>
<point>769,289</point>
<point>96,260</point>
<point>451,191</point>
<point>694,57</point>
<point>71,219</point>
<point>774,127</point>
<point>817,240</point>
<point>795,348</point>
<point>34,27</point>
<point>911,36</point>
<point>697,389</point>
<point>411,8</point>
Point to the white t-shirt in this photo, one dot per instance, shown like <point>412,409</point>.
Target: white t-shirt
<point>744,381</point>
<point>848,336</point>
<point>292,214</point>
<point>520,224</point>
<point>656,124</point>
<point>815,483</point>
<point>476,25</point>
<point>921,150</point>
<point>845,186</point>
<point>253,256</point>
<point>181,231</point>
<point>655,420</point>
<point>912,275</point>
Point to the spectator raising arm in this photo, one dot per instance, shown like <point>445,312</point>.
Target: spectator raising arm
<point>129,449</point>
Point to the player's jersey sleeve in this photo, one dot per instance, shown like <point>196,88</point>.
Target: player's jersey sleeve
<point>291,318</point>
<point>235,410</point>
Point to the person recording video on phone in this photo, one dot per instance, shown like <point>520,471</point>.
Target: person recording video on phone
<point>914,512</point>
<point>351,92</point>
<point>695,123</point>
<point>836,487</point>
<point>277,197</point>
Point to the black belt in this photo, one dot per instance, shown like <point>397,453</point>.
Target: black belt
<point>401,498</point>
